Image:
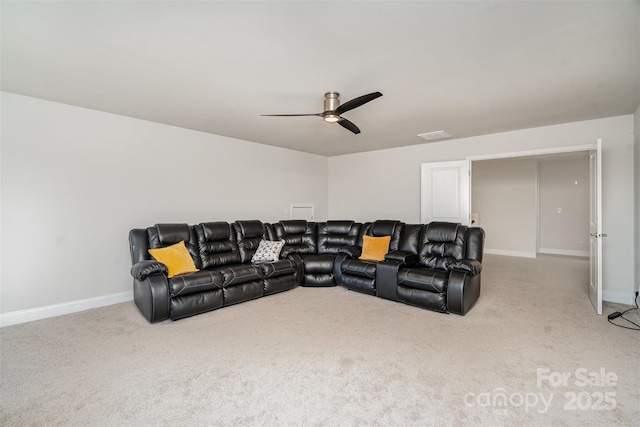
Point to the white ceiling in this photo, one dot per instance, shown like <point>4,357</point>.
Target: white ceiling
<point>470,68</point>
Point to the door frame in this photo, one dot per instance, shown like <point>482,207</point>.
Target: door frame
<point>536,152</point>
<point>595,227</point>
<point>526,153</point>
<point>544,151</point>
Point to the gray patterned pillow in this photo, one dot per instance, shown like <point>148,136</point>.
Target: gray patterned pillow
<point>268,251</point>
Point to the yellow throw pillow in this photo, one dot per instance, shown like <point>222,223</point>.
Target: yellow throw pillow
<point>375,248</point>
<point>176,258</point>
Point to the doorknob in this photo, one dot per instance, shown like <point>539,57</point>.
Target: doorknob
<point>596,235</point>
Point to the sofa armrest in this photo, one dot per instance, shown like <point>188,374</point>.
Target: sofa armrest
<point>402,257</point>
<point>143,269</point>
<point>151,295</point>
<point>297,260</point>
<point>352,251</point>
<point>463,290</point>
<point>470,266</point>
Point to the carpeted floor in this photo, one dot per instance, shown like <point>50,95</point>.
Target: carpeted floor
<point>323,357</point>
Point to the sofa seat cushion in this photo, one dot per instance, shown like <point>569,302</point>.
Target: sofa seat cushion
<point>425,279</point>
<point>241,273</point>
<point>201,281</point>
<point>359,267</point>
<point>278,268</point>
<point>322,263</point>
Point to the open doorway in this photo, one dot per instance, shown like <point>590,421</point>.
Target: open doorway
<point>534,204</point>
<point>511,219</point>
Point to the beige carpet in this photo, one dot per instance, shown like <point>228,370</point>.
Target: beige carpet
<point>323,357</point>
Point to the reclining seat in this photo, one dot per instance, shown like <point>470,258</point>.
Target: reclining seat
<point>159,297</point>
<point>335,238</point>
<point>446,275</point>
<point>218,251</point>
<point>301,239</point>
<point>359,274</point>
<point>275,276</point>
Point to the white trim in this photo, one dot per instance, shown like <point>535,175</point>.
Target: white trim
<point>537,152</point>
<point>567,252</point>
<point>38,313</point>
<point>518,254</point>
<point>626,298</point>
<point>537,206</point>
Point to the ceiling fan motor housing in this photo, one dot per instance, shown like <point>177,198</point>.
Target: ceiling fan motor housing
<point>331,103</point>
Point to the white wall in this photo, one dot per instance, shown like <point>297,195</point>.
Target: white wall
<point>388,182</point>
<point>504,197</point>
<point>563,206</point>
<point>75,181</point>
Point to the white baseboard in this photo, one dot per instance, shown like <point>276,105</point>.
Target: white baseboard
<point>567,252</point>
<point>510,253</point>
<point>626,298</point>
<point>38,313</point>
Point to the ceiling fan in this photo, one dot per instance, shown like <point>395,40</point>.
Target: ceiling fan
<point>333,110</point>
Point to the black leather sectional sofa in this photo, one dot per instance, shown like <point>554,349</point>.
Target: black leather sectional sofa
<point>436,266</point>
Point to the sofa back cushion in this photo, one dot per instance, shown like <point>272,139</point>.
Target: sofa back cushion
<point>441,243</point>
<point>410,238</point>
<point>217,244</point>
<point>163,235</point>
<point>333,235</point>
<point>248,236</point>
<point>383,227</point>
<point>300,236</point>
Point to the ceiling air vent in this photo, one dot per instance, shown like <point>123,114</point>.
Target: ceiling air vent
<point>430,136</point>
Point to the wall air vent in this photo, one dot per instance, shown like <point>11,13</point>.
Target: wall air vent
<point>430,136</point>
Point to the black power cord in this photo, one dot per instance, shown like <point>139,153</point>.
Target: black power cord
<point>617,314</point>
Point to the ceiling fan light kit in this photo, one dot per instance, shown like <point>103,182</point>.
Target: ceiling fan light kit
<point>333,110</point>
<point>331,118</point>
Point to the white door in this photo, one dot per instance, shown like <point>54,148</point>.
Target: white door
<point>445,192</point>
<point>595,227</point>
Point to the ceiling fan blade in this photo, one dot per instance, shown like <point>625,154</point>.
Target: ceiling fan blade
<point>291,115</point>
<point>356,102</point>
<point>348,125</point>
